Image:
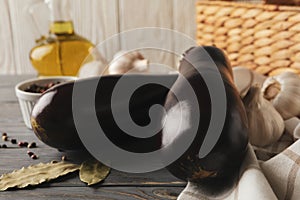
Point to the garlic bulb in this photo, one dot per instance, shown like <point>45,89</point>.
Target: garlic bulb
<point>266,125</point>
<point>284,92</point>
<point>128,62</point>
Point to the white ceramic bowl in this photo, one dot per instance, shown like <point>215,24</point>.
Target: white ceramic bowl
<point>28,99</point>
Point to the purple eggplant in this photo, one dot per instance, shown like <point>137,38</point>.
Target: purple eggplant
<point>229,150</point>
<point>53,121</point>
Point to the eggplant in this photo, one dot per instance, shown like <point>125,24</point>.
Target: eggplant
<point>227,154</point>
<point>53,121</point>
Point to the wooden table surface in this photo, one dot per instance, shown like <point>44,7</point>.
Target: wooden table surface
<point>118,185</point>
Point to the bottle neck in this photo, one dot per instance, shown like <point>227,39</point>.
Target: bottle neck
<point>61,27</point>
<point>61,22</point>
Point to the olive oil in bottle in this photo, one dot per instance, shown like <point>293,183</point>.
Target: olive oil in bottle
<point>62,52</point>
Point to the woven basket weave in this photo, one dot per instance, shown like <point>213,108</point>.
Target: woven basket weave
<point>265,38</point>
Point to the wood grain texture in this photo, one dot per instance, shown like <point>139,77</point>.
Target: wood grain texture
<point>98,21</point>
<point>118,185</point>
<point>23,35</point>
<point>139,14</point>
<point>115,193</point>
<point>7,65</point>
<point>184,21</point>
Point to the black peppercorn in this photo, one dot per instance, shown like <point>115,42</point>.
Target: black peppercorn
<point>30,153</point>
<point>34,157</point>
<point>13,141</point>
<point>34,88</point>
<point>31,145</point>
<point>21,144</point>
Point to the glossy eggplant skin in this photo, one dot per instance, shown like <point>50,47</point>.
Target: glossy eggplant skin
<point>227,155</point>
<point>53,123</point>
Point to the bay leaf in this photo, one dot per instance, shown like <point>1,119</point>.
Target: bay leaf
<point>92,172</point>
<point>36,174</point>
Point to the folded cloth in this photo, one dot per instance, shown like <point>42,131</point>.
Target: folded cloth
<point>250,183</point>
<point>266,153</point>
<point>283,172</point>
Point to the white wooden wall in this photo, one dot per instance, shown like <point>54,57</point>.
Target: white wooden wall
<point>96,20</point>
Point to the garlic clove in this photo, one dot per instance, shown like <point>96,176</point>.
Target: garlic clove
<point>291,124</point>
<point>296,133</point>
<point>292,127</point>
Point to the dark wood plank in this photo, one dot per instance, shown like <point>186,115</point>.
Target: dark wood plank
<point>7,86</point>
<point>92,193</point>
<point>119,185</point>
<point>15,158</point>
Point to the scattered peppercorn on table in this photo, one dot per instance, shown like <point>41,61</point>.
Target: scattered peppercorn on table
<point>118,185</point>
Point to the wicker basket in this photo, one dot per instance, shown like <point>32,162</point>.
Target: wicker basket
<point>265,38</point>
<point>283,2</point>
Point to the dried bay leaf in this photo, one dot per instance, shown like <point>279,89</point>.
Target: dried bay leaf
<point>92,172</point>
<point>36,174</point>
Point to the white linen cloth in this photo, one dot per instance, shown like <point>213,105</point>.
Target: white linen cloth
<point>275,178</point>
